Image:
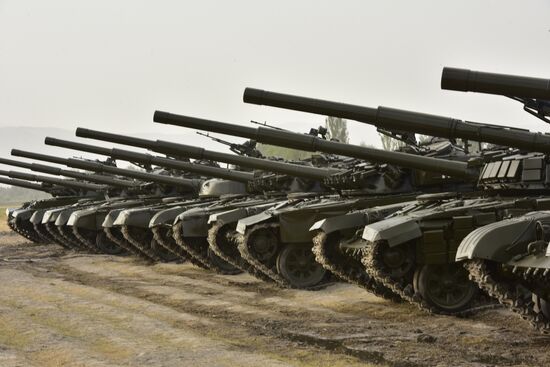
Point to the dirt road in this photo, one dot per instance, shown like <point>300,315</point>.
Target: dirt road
<point>59,308</point>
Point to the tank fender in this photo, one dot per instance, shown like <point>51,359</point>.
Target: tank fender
<point>64,216</point>
<point>166,216</point>
<point>194,224</point>
<point>244,223</point>
<point>394,231</point>
<point>228,216</point>
<point>231,216</point>
<point>111,218</point>
<point>23,214</point>
<point>48,215</point>
<point>340,222</point>
<point>86,218</point>
<point>500,241</point>
<point>37,216</point>
<point>51,215</point>
<point>135,218</point>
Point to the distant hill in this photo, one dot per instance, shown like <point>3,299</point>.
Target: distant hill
<point>16,195</point>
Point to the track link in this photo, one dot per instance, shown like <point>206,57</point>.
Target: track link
<point>164,237</point>
<point>141,242</point>
<point>30,235</point>
<point>349,269</point>
<point>197,247</point>
<point>486,277</point>
<point>90,245</point>
<point>123,243</point>
<point>52,230</point>
<point>372,260</point>
<point>222,241</point>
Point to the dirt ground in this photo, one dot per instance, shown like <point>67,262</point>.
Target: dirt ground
<point>60,308</point>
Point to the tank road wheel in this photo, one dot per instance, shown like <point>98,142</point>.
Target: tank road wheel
<point>298,266</point>
<point>221,263</point>
<point>542,306</point>
<point>105,245</point>
<point>265,244</point>
<point>445,286</point>
<point>400,261</point>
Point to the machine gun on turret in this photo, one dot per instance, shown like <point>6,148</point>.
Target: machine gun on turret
<point>248,148</point>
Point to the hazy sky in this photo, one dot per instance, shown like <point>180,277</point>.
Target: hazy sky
<point>110,64</point>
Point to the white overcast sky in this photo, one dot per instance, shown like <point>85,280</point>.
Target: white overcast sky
<point>109,64</point>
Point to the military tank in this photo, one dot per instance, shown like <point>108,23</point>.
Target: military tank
<point>18,218</point>
<point>206,193</point>
<point>31,216</point>
<point>43,219</point>
<point>509,259</point>
<point>311,209</point>
<point>162,196</point>
<point>414,288</point>
<point>439,250</point>
<point>191,225</point>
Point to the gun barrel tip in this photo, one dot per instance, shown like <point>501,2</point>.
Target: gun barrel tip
<point>253,95</point>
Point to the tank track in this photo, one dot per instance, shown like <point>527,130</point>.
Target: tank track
<point>123,243</point>
<point>52,230</point>
<point>377,269</point>
<point>164,238</point>
<point>247,252</point>
<point>198,249</point>
<point>42,232</point>
<point>225,246</point>
<point>68,235</point>
<point>347,268</point>
<point>139,243</point>
<point>30,235</point>
<point>481,273</point>
<point>90,246</point>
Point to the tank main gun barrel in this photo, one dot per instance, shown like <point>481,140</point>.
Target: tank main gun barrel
<point>25,184</point>
<point>465,80</point>
<point>131,156</point>
<point>401,120</point>
<point>111,181</point>
<point>54,181</point>
<point>312,143</point>
<point>201,153</point>
<point>102,168</point>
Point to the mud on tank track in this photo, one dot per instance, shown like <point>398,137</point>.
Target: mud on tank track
<point>59,307</point>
